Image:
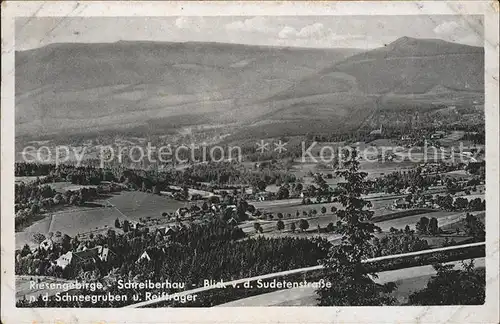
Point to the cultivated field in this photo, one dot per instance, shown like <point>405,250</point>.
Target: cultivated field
<point>461,223</point>
<point>71,222</point>
<point>443,217</point>
<point>412,220</point>
<point>291,206</point>
<point>131,205</point>
<point>137,204</point>
<point>66,185</point>
<point>372,168</point>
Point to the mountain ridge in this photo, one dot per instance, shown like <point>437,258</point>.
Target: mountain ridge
<point>72,88</point>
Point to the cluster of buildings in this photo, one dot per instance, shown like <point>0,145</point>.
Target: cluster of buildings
<point>97,253</point>
<point>402,203</point>
<point>82,253</point>
<point>438,135</point>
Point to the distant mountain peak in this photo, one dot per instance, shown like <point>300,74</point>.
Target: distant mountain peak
<point>409,46</point>
<point>403,40</point>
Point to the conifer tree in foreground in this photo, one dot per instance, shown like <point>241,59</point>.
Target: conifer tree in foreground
<point>352,285</point>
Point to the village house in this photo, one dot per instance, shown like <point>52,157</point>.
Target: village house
<point>215,208</point>
<point>438,135</point>
<point>249,191</point>
<point>165,231</point>
<point>167,193</point>
<point>182,212</point>
<point>135,225</point>
<point>263,195</point>
<point>143,256</point>
<point>81,247</point>
<point>108,186</point>
<point>231,207</point>
<point>103,253</point>
<point>401,204</point>
<point>376,132</point>
<point>98,252</point>
<point>408,190</point>
<point>149,254</point>
<point>64,260</point>
<point>427,204</point>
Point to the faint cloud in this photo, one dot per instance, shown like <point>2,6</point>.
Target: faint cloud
<point>335,41</point>
<point>287,32</point>
<point>318,35</point>
<point>458,32</point>
<point>192,23</point>
<point>316,30</point>
<point>255,24</point>
<point>448,27</point>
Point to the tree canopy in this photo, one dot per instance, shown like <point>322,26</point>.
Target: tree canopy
<point>453,286</point>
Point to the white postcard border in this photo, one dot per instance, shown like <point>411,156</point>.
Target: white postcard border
<point>488,313</point>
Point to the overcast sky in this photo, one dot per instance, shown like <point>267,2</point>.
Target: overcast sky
<point>303,31</point>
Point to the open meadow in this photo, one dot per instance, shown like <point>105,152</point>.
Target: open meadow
<point>400,223</point>
<point>131,205</point>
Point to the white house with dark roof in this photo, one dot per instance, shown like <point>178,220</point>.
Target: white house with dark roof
<point>98,252</point>
<point>64,260</point>
<point>47,244</point>
<point>144,255</point>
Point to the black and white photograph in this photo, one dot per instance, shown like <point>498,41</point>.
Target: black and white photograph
<point>194,160</point>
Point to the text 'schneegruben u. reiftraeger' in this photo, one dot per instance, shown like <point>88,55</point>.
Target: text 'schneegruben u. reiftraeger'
<point>148,290</point>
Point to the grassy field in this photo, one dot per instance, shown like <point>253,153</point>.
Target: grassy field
<point>461,223</point>
<point>459,174</point>
<point>66,185</point>
<point>375,169</point>
<point>372,168</point>
<point>380,207</point>
<point>301,171</point>
<point>438,241</point>
<point>471,197</point>
<point>286,206</point>
<point>70,222</point>
<point>28,179</point>
<point>74,220</point>
<point>443,217</point>
<point>136,204</point>
<point>269,226</point>
<point>270,229</point>
<point>291,206</point>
